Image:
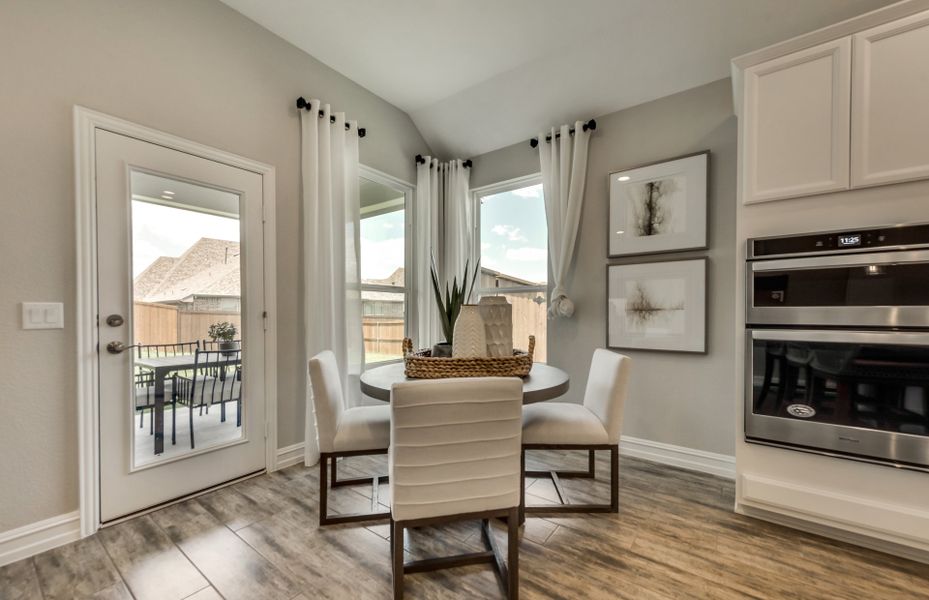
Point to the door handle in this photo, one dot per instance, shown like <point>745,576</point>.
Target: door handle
<point>119,347</point>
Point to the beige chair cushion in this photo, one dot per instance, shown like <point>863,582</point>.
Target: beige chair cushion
<point>326,385</point>
<point>605,394</point>
<point>363,428</point>
<point>561,423</point>
<point>454,446</point>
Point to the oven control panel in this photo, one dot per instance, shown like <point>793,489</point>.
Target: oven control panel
<point>861,240</point>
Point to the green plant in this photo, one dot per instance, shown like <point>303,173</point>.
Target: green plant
<point>455,297</point>
<point>224,331</point>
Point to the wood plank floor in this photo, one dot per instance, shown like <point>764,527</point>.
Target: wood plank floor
<point>674,537</point>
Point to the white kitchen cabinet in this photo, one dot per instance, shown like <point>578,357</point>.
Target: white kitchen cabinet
<point>890,102</point>
<point>795,135</point>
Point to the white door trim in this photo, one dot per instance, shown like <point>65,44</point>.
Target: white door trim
<point>86,121</point>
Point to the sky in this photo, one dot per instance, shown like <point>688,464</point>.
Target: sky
<point>513,237</point>
<point>382,247</point>
<point>165,231</point>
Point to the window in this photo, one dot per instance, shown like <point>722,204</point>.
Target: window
<point>385,257</point>
<point>513,247</point>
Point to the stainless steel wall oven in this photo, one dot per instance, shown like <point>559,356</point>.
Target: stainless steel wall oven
<point>837,345</point>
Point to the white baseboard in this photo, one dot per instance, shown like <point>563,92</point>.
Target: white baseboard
<point>289,456</point>
<point>890,528</point>
<point>721,465</point>
<point>34,538</point>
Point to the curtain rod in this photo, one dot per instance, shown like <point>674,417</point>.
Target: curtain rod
<point>420,160</point>
<point>591,125</point>
<point>303,104</point>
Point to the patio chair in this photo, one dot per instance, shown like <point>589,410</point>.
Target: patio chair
<point>155,350</point>
<point>145,381</point>
<point>215,379</point>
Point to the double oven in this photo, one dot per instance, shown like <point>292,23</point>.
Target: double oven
<point>837,344</point>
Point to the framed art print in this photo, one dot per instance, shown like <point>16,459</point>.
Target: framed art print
<point>657,306</point>
<point>659,207</point>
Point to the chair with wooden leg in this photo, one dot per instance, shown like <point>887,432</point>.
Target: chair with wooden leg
<point>455,456</point>
<point>591,426</point>
<point>342,432</point>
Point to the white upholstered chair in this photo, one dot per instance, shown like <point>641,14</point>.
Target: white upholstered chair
<point>591,426</point>
<point>454,456</point>
<point>342,431</point>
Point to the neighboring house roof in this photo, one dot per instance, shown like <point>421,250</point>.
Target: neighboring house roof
<point>396,278</point>
<point>507,279</point>
<point>489,278</point>
<point>153,275</point>
<point>208,268</point>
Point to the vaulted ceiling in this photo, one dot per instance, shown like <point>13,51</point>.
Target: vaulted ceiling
<point>479,75</point>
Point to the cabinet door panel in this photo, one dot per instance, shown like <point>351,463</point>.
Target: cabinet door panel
<point>796,128</point>
<point>890,102</point>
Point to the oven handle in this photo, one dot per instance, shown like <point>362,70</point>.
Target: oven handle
<point>896,338</point>
<point>845,260</point>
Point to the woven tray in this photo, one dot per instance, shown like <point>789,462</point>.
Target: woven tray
<point>421,365</point>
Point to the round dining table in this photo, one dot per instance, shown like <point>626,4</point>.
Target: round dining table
<point>544,382</point>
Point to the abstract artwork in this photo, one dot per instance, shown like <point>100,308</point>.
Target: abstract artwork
<point>657,306</point>
<point>659,207</point>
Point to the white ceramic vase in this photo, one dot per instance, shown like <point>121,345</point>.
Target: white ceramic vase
<point>470,339</point>
<point>498,325</point>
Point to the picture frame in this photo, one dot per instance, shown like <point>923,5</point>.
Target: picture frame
<point>659,207</point>
<point>657,306</point>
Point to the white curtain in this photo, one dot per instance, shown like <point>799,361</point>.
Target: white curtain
<point>564,173</point>
<point>428,246</point>
<point>331,237</point>
<point>459,218</point>
<point>444,232</point>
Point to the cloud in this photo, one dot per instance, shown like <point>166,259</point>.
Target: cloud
<point>529,192</point>
<point>486,245</point>
<point>511,233</point>
<point>526,254</point>
<point>387,225</point>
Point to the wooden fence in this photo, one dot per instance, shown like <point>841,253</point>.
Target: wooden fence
<point>164,324</point>
<point>383,336</point>
<point>529,318</point>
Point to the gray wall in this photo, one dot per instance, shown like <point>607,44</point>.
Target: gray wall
<point>194,68</point>
<point>680,399</point>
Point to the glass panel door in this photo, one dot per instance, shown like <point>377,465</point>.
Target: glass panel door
<point>187,384</point>
<point>181,329</point>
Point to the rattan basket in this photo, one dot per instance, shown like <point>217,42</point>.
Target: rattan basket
<point>421,365</point>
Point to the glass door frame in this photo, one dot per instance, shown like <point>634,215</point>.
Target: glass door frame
<point>86,124</point>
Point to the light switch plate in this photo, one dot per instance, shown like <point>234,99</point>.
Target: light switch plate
<point>43,315</point>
